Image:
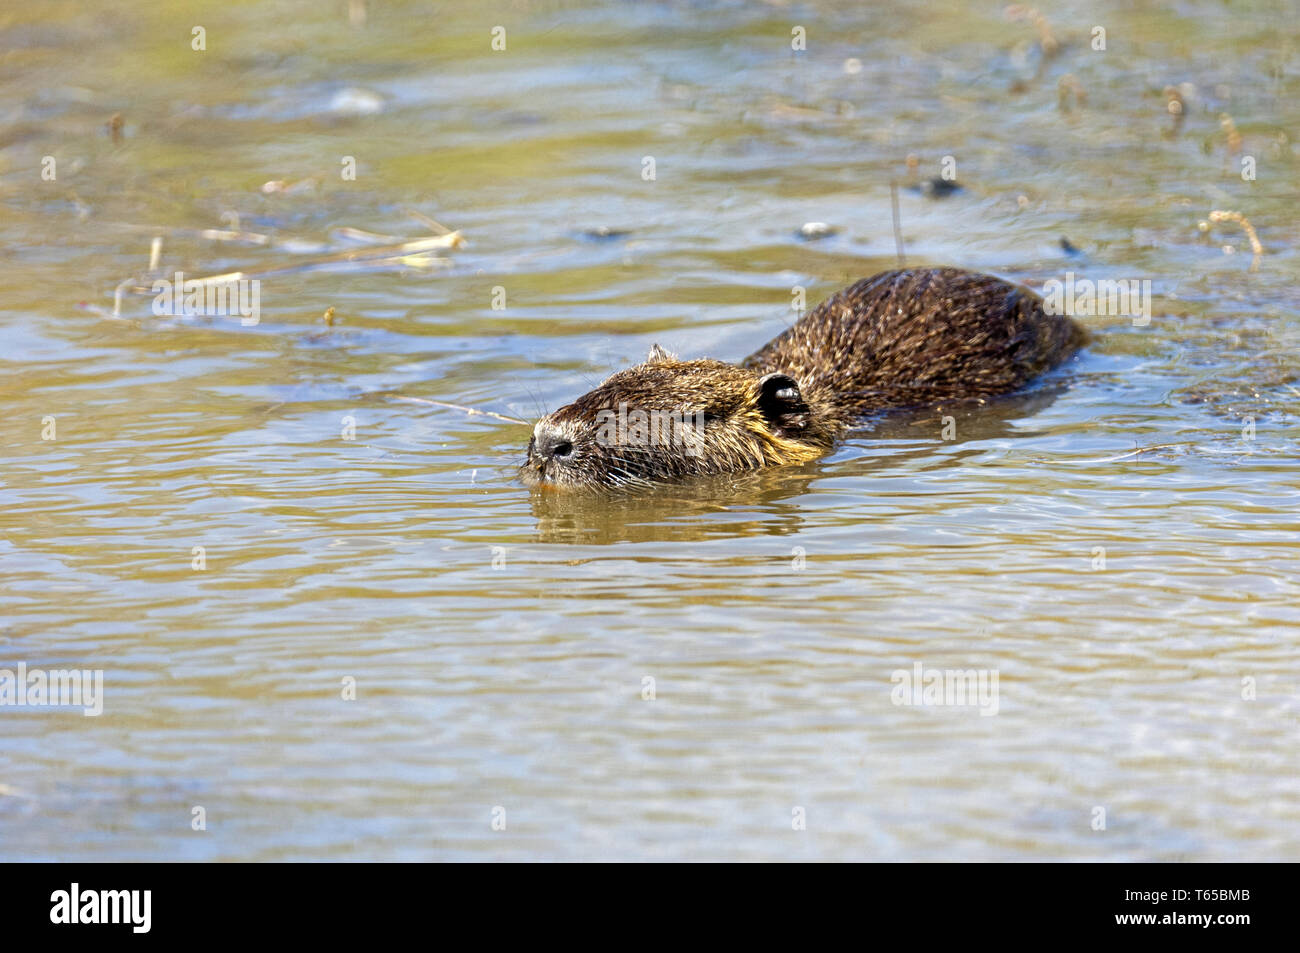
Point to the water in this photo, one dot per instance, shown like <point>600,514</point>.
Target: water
<point>501,644</point>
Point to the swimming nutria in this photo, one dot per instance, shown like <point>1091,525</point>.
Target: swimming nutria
<point>904,338</point>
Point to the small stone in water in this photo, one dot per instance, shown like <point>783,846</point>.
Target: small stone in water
<point>604,233</point>
<point>356,102</point>
<point>812,231</point>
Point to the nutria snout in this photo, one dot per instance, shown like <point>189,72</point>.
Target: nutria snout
<point>906,338</point>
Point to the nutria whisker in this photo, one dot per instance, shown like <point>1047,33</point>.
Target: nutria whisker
<point>472,411</point>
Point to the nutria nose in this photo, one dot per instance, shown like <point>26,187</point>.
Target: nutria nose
<point>551,444</point>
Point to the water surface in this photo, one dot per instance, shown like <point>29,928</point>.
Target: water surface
<point>501,643</point>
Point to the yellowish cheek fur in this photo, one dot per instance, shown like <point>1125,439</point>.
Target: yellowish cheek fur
<point>783,451</point>
<point>779,451</point>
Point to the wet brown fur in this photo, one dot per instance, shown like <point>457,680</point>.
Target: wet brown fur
<point>908,338</point>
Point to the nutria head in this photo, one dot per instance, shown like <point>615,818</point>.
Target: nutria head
<point>668,418</point>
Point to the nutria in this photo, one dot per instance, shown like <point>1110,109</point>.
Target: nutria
<point>907,338</point>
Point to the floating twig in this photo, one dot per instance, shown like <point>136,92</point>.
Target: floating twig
<point>117,296</point>
<point>366,238</point>
<point>1047,42</point>
<point>419,216</point>
<point>1177,109</point>
<point>1138,452</point>
<point>1236,217</point>
<point>212,234</point>
<point>279,186</point>
<point>1230,132</point>
<point>1129,454</point>
<point>1070,93</point>
<point>381,249</point>
<point>898,228</point>
<point>224,235</point>
<point>417,253</point>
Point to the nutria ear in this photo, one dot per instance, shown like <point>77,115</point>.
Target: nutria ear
<point>657,353</point>
<point>781,403</point>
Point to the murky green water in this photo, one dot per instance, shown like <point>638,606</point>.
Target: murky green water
<point>501,643</point>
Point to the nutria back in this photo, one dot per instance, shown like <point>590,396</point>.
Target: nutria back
<point>916,337</point>
<point>901,339</point>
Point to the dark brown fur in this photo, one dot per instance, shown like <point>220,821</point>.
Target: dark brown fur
<point>915,337</point>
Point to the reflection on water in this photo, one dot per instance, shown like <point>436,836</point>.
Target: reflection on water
<point>338,623</point>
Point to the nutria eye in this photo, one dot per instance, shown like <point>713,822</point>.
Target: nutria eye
<point>781,404</point>
<point>778,393</point>
<point>562,450</point>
